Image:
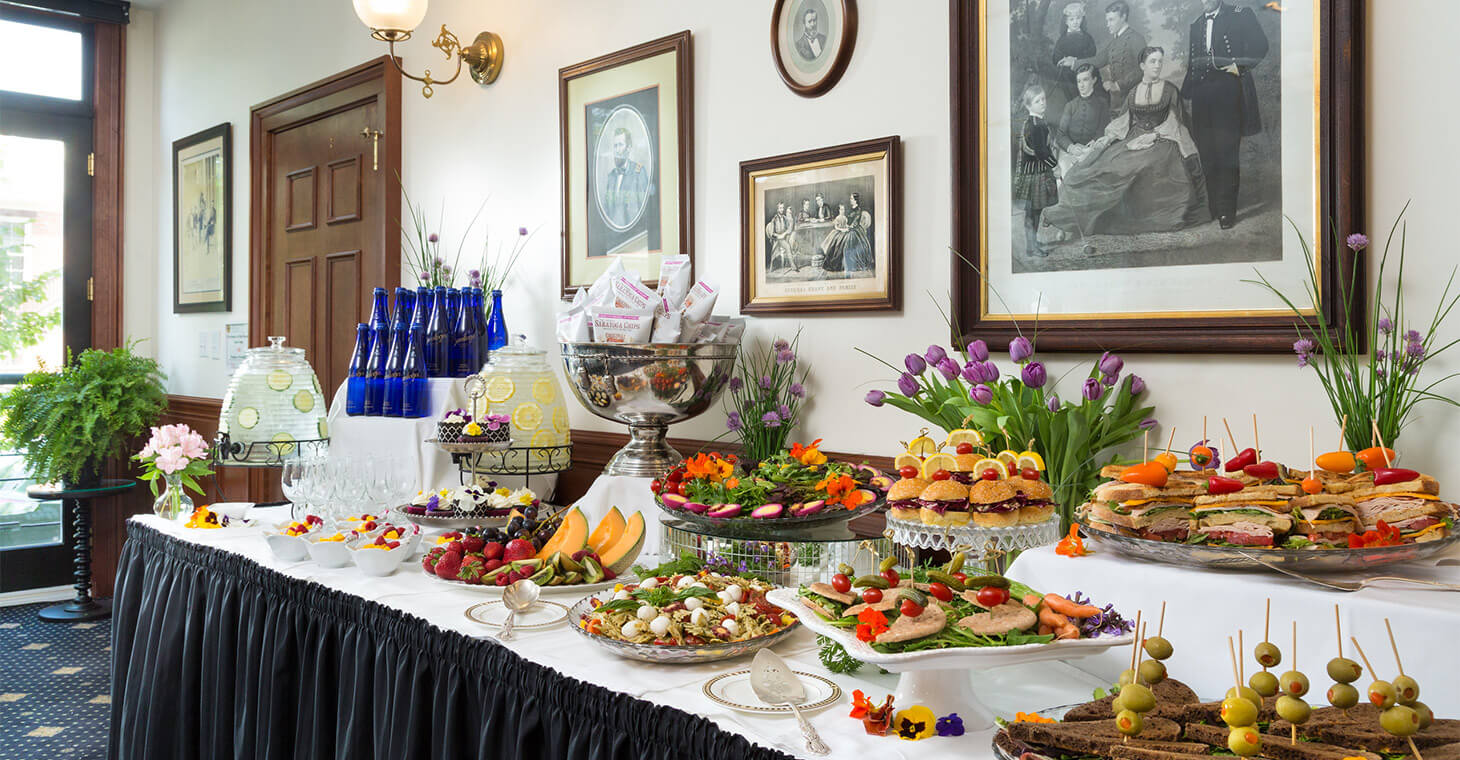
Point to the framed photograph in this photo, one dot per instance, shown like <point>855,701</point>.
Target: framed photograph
<point>812,41</point>
<point>821,230</point>
<point>1122,166</point>
<point>628,160</point>
<point>202,221</point>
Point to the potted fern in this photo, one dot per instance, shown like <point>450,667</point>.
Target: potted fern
<point>70,421</point>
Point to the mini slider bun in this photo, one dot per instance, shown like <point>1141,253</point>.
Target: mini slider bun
<point>950,492</point>
<point>1037,494</point>
<point>992,493</point>
<point>963,465</point>
<point>906,490</point>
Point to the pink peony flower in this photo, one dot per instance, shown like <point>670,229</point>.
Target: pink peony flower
<point>170,460</point>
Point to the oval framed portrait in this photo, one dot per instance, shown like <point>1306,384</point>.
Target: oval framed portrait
<point>624,166</point>
<point>812,41</point>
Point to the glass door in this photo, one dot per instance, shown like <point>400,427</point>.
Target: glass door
<point>45,258</point>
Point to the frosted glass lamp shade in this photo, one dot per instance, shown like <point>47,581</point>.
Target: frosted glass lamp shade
<point>393,15</point>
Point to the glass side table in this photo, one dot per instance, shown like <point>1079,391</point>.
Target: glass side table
<point>78,500</point>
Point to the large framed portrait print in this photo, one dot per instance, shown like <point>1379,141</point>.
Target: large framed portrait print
<point>202,221</point>
<point>1122,166</point>
<point>821,230</point>
<point>627,136</point>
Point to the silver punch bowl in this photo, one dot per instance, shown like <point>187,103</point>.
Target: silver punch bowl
<point>647,386</point>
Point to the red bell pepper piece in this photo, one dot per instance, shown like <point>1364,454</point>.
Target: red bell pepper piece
<point>1218,485</point>
<point>1263,470</point>
<point>1243,458</point>
<point>1384,476</point>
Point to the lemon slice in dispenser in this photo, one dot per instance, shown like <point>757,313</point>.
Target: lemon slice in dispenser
<point>500,388</point>
<point>527,416</point>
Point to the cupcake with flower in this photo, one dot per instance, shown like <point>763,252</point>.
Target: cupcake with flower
<point>452,426</point>
<point>491,428</point>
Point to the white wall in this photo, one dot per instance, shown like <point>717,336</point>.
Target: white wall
<point>214,58</point>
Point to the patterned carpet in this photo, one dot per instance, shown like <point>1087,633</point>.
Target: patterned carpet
<point>55,686</point>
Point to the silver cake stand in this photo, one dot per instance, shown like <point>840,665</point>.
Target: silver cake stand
<point>647,386</point>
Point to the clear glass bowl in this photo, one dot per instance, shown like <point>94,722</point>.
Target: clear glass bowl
<point>671,654</point>
<point>273,399</point>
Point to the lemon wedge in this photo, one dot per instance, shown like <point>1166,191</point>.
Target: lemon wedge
<point>988,464</point>
<point>1010,460</point>
<point>938,462</point>
<point>963,435</point>
<point>922,446</point>
<point>904,459</point>
<point>1031,460</point>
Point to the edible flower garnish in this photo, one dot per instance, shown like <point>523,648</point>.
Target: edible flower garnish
<point>808,455</point>
<point>1071,545</point>
<point>860,705</point>
<point>1383,534</point>
<point>840,489</point>
<point>1034,717</point>
<point>915,723</point>
<point>871,623</point>
<point>1107,622</point>
<point>878,720</point>
<point>472,428</point>
<point>712,467</point>
<point>950,725</point>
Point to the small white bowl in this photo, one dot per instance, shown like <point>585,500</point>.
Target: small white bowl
<point>287,548</point>
<point>379,562</point>
<point>233,510</point>
<point>329,554</point>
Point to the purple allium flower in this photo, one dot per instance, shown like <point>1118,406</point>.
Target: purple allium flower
<point>1137,385</point>
<point>438,262</point>
<point>935,355</point>
<point>1033,375</point>
<point>1304,348</point>
<point>784,411</point>
<point>736,384</point>
<point>1148,423</point>
<point>434,238</point>
<point>908,385</point>
<point>1020,349</point>
<point>734,422</point>
<point>785,357</point>
<point>949,367</point>
<point>1386,325</point>
<point>522,231</point>
<point>797,390</point>
<point>981,394</point>
<point>1091,390</point>
<point>765,382</point>
<point>1053,402</point>
<point>876,398</point>
<point>781,344</point>
<point>978,351</point>
<point>1413,336</point>
<point>914,364</point>
<point>770,419</point>
<point>474,278</point>
<point>1358,241</point>
<point>1110,364</point>
<point>1415,350</point>
<point>1379,372</point>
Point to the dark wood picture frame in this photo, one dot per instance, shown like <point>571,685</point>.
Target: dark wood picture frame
<point>224,133</point>
<point>843,54</point>
<point>680,44</point>
<point>750,228</point>
<point>1341,172</point>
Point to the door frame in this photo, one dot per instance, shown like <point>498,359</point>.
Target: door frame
<point>308,103</point>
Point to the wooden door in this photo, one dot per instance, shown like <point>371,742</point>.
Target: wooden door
<point>325,211</point>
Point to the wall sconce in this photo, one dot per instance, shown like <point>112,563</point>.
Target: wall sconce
<point>392,21</point>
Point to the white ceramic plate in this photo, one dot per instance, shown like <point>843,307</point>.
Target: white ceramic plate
<point>580,589</point>
<point>733,690</point>
<point>541,614</point>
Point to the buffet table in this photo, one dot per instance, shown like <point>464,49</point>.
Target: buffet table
<point>1203,607</point>
<point>220,650</point>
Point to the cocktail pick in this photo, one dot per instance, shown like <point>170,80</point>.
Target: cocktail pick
<point>1145,452</point>
<point>1230,437</point>
<point>1363,656</point>
<point>1338,628</point>
<point>1266,622</point>
<point>1383,448</point>
<point>1394,646</point>
<point>1342,426</point>
<point>1256,445</point>
<point>1161,626</point>
<point>1236,675</point>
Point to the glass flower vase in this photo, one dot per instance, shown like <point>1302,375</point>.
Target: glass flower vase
<point>173,503</point>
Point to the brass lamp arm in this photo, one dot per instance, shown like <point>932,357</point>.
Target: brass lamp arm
<point>483,57</point>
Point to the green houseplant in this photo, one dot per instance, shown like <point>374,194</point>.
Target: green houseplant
<point>68,422</point>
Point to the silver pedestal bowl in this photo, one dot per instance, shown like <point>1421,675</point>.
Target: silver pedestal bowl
<point>648,387</point>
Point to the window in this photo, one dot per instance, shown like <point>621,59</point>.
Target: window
<point>41,60</point>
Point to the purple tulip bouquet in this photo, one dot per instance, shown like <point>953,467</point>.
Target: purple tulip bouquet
<point>1020,412</point>
<point>1382,388</point>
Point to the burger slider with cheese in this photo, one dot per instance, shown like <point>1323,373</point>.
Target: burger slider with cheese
<point>1326,519</point>
<point>903,498</point>
<point>1413,506</point>
<point>1132,509</point>
<point>944,502</point>
<point>1254,516</point>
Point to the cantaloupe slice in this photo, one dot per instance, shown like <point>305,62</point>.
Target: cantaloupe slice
<point>570,537</point>
<point>608,532</point>
<point>621,555</point>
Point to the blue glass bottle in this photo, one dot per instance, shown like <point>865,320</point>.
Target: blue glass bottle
<point>465,359</point>
<point>355,379</point>
<point>438,330</point>
<point>453,303</point>
<point>380,313</point>
<point>375,371</point>
<point>415,388</point>
<point>421,316</point>
<point>478,313</point>
<point>399,337</point>
<point>497,324</point>
<point>401,309</point>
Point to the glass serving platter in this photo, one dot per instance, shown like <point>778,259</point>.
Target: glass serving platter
<point>1241,557</point>
<point>770,527</point>
<point>672,654</point>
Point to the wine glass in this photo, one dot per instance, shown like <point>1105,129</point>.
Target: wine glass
<point>291,480</point>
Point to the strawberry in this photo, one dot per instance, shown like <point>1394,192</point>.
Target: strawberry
<point>448,565</point>
<point>428,563</point>
<point>452,534</point>
<point>456,546</point>
<point>579,555</point>
<point>503,579</point>
<point>491,564</point>
<point>393,544</point>
<point>471,570</point>
<point>609,574</point>
<point>492,550</point>
<point>473,543</point>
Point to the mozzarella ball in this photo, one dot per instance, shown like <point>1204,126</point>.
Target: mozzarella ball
<point>731,626</point>
<point>685,581</point>
<point>647,613</point>
<point>631,629</point>
<point>736,593</point>
<point>659,625</point>
<point>649,583</point>
<point>732,609</point>
<point>694,603</point>
<point>622,594</point>
<point>699,616</point>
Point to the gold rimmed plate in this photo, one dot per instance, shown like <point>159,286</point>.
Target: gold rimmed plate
<point>733,690</point>
<point>542,614</point>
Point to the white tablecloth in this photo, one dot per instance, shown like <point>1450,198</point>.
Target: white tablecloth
<point>1203,607</point>
<point>1006,691</point>
<point>400,437</point>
